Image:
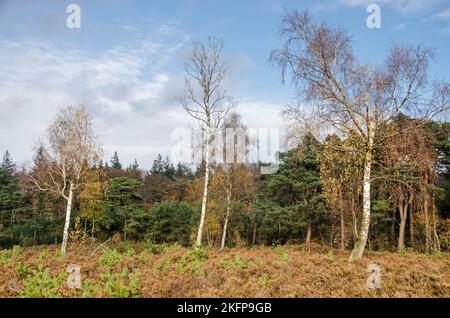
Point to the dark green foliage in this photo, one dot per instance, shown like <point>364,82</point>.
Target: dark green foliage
<point>163,167</point>
<point>122,207</point>
<point>115,162</point>
<point>291,199</point>
<point>157,204</point>
<point>169,222</point>
<point>12,204</point>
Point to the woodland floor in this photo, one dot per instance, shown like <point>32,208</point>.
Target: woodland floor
<point>145,270</point>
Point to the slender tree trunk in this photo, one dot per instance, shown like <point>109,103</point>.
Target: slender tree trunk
<point>254,230</point>
<point>411,222</point>
<point>205,192</point>
<point>12,228</point>
<point>125,230</point>
<point>67,222</point>
<point>363,234</point>
<point>436,241</point>
<point>341,208</point>
<point>92,229</point>
<point>427,222</point>
<point>35,213</point>
<point>85,228</point>
<point>355,220</point>
<point>225,225</point>
<point>403,217</point>
<point>279,231</point>
<point>394,212</point>
<point>308,237</point>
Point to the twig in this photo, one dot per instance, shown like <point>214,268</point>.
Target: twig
<point>99,247</point>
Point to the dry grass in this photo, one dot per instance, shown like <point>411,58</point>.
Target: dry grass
<point>173,271</point>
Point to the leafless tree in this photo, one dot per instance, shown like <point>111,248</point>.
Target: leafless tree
<point>354,97</point>
<point>72,150</point>
<point>206,101</point>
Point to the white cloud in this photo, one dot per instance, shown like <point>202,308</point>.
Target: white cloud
<point>127,90</point>
<point>444,14</point>
<point>124,88</point>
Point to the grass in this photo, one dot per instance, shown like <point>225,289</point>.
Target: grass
<point>148,270</point>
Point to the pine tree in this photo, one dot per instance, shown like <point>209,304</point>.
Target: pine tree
<point>135,166</point>
<point>183,171</point>
<point>8,168</point>
<point>115,162</point>
<point>158,166</point>
<point>292,198</point>
<point>168,168</point>
<point>10,200</point>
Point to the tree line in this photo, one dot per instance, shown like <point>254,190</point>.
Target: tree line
<point>367,166</point>
<point>313,197</point>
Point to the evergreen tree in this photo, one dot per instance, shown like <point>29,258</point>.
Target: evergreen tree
<point>134,166</point>
<point>158,166</point>
<point>7,168</point>
<point>183,171</point>
<point>11,201</point>
<point>168,168</point>
<point>291,199</point>
<point>115,162</point>
<point>122,206</point>
<point>170,222</point>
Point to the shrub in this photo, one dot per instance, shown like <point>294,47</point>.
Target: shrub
<point>154,248</point>
<point>264,280</point>
<point>131,252</point>
<point>23,270</point>
<point>163,265</point>
<point>192,260</point>
<point>282,252</point>
<point>43,256</point>
<point>15,251</point>
<point>6,256</point>
<point>330,255</point>
<point>122,285</point>
<point>110,258</point>
<point>41,284</point>
<point>235,263</point>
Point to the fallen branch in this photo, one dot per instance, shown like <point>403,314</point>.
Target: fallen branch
<point>99,247</point>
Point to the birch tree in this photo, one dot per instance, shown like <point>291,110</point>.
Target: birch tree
<point>72,150</point>
<point>354,97</point>
<point>238,180</point>
<point>207,102</point>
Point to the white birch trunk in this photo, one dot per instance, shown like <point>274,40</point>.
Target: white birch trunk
<point>225,225</point>
<point>67,222</point>
<point>205,193</point>
<point>360,244</point>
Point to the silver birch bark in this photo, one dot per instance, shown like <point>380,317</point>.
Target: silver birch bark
<point>225,225</point>
<point>360,245</point>
<point>67,221</point>
<point>205,194</point>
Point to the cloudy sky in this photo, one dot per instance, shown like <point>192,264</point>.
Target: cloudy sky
<point>126,61</point>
